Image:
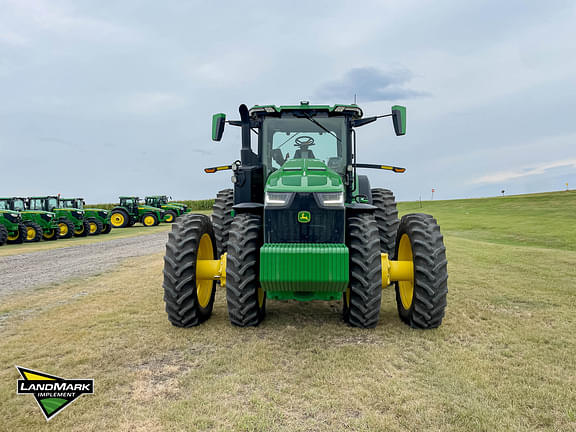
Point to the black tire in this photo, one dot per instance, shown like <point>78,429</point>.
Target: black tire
<point>34,229</point>
<point>246,299</point>
<point>66,227</point>
<point>222,218</point>
<point>147,215</point>
<point>95,227</point>
<point>106,228</point>
<point>51,234</point>
<point>387,219</point>
<point>430,286</point>
<point>3,235</point>
<point>363,297</point>
<point>173,214</point>
<point>84,230</point>
<point>180,288</point>
<point>21,235</point>
<point>125,219</point>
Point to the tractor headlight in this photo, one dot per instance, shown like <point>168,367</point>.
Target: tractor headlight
<point>277,199</point>
<point>331,199</point>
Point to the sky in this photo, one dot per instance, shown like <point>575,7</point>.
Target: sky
<point>102,99</point>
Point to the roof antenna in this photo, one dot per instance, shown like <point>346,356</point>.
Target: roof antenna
<point>354,98</point>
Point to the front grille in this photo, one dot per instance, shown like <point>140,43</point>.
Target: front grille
<point>281,224</point>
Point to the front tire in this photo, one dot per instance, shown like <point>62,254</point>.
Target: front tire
<point>66,228</point>
<point>119,219</point>
<point>149,219</point>
<point>170,216</point>
<point>188,302</point>
<point>363,297</point>
<point>421,303</point>
<point>84,230</point>
<point>33,232</point>
<point>246,298</point>
<point>3,235</point>
<point>387,219</point>
<point>106,228</point>
<point>19,236</point>
<point>95,227</point>
<point>51,234</point>
<point>222,218</point>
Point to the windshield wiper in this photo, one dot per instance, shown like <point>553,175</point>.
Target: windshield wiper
<point>306,115</point>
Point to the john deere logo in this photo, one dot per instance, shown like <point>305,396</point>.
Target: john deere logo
<point>52,393</point>
<point>304,216</point>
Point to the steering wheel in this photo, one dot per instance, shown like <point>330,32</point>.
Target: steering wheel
<point>304,141</point>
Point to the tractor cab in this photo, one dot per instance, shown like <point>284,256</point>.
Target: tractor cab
<point>72,203</point>
<point>130,203</point>
<point>48,203</point>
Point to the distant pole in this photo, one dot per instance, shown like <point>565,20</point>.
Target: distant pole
<point>502,192</point>
<point>433,190</point>
<point>420,199</point>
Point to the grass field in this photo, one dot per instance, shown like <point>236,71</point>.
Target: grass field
<point>503,360</point>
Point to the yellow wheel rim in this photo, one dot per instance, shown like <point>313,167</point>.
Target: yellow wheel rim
<point>63,229</point>
<point>204,287</point>
<point>79,231</point>
<point>30,233</point>
<point>93,227</point>
<point>406,288</point>
<point>14,237</point>
<point>117,219</point>
<point>149,221</point>
<point>260,297</point>
<point>170,218</point>
<point>49,234</point>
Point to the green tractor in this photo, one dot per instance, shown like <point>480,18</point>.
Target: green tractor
<point>71,221</point>
<point>302,224</point>
<point>98,219</point>
<point>12,227</point>
<point>130,211</point>
<point>172,209</point>
<point>40,224</point>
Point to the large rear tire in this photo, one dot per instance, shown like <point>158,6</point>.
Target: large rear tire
<point>33,232</point>
<point>188,301</point>
<point>222,218</point>
<point>3,235</point>
<point>119,219</point>
<point>422,303</point>
<point>19,236</point>
<point>387,219</point>
<point>246,298</point>
<point>363,297</point>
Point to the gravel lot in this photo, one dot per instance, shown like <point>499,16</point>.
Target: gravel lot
<point>20,272</point>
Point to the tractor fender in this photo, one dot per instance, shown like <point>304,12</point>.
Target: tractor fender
<point>249,207</point>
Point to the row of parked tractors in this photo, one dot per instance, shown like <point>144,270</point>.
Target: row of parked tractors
<point>52,217</point>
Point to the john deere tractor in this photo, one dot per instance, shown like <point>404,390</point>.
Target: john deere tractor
<point>98,219</point>
<point>131,211</point>
<point>302,224</point>
<point>71,221</point>
<point>39,224</point>
<point>12,228</point>
<point>173,210</point>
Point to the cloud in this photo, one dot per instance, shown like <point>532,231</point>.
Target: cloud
<point>503,176</point>
<point>370,84</point>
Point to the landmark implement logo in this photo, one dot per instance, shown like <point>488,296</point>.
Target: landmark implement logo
<point>52,393</point>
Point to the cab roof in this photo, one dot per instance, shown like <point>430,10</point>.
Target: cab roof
<point>354,110</point>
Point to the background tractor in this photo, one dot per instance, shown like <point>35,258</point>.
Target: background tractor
<point>98,219</point>
<point>302,224</point>
<point>39,224</point>
<point>173,210</point>
<point>130,211</point>
<point>12,228</point>
<point>71,221</point>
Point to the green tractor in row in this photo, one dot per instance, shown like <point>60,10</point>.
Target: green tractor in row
<point>71,221</point>
<point>130,211</point>
<point>98,219</point>
<point>39,224</point>
<point>12,227</point>
<point>302,224</point>
<point>172,209</point>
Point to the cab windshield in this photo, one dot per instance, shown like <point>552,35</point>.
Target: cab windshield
<point>322,138</point>
<point>35,204</point>
<point>52,204</point>
<point>19,205</point>
<point>128,202</point>
<point>67,204</point>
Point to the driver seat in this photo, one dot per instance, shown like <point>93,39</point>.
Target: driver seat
<point>304,154</point>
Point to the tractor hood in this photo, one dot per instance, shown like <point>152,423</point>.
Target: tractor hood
<point>152,209</point>
<point>9,212</point>
<point>304,175</point>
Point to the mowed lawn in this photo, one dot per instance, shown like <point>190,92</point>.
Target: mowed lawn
<point>503,360</point>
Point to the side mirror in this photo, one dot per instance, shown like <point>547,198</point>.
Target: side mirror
<point>218,123</point>
<point>399,119</point>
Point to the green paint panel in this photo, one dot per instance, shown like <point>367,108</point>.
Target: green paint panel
<point>298,267</point>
